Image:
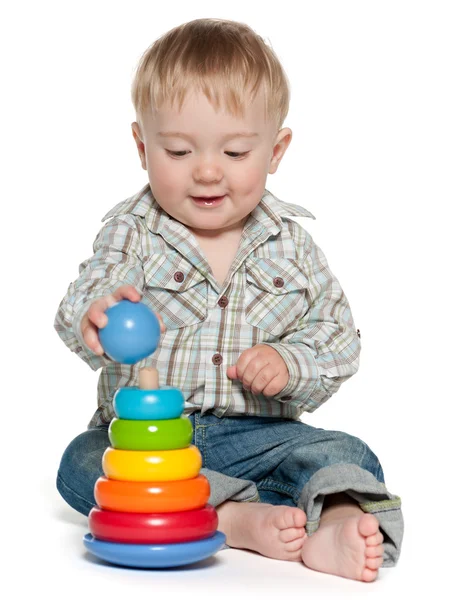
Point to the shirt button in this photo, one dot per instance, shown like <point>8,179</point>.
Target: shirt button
<point>278,282</point>
<point>287,398</point>
<point>179,277</point>
<point>223,302</point>
<point>217,359</point>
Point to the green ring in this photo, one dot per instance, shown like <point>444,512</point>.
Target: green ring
<point>165,434</point>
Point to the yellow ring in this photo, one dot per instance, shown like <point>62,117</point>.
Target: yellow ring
<point>142,465</point>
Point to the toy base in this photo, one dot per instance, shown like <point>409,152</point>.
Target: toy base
<point>154,556</point>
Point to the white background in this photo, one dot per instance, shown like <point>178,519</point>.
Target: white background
<point>369,158</point>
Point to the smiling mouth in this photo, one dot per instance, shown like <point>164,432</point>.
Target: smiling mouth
<point>208,200</point>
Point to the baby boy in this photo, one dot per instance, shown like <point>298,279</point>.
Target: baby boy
<point>255,329</point>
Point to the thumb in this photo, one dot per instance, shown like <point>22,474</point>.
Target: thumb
<point>232,372</point>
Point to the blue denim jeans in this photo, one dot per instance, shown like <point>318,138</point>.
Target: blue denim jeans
<point>261,459</point>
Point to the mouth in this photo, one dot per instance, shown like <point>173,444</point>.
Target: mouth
<point>208,200</point>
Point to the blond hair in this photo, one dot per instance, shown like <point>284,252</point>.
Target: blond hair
<point>223,59</point>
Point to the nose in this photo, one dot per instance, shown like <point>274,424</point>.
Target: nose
<point>207,170</point>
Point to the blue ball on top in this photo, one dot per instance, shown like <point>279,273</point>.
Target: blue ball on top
<point>132,332</point>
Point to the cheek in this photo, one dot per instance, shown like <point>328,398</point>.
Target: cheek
<point>160,173</point>
<point>250,177</point>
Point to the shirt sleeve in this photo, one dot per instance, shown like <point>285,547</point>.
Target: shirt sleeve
<point>115,262</point>
<point>324,350</point>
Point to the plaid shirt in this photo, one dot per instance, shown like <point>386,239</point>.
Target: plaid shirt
<point>279,291</point>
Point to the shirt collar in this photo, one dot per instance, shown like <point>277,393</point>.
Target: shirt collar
<point>268,214</point>
<point>271,211</point>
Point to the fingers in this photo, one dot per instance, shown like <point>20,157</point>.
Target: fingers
<point>261,370</point>
<point>90,336</point>
<point>96,312</point>
<point>255,371</point>
<point>262,380</point>
<point>95,319</point>
<point>127,292</point>
<point>275,385</point>
<point>161,323</point>
<point>232,372</point>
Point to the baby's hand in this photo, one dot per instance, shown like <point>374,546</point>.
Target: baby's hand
<point>261,370</point>
<point>95,317</point>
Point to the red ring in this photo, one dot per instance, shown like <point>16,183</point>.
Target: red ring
<point>153,528</point>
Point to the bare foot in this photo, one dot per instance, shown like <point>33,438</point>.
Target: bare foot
<point>274,531</point>
<point>347,545</point>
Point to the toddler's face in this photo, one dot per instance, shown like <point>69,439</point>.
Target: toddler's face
<point>196,153</point>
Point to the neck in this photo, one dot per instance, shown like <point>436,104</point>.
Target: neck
<point>209,234</point>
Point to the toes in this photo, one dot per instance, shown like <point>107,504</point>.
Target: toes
<point>291,534</point>
<point>375,540</point>
<point>295,545</point>
<point>368,525</point>
<point>299,518</point>
<point>290,517</point>
<point>374,563</point>
<point>369,575</point>
<point>295,518</point>
<point>294,556</point>
<point>374,551</point>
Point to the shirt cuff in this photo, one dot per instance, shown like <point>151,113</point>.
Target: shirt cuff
<point>303,372</point>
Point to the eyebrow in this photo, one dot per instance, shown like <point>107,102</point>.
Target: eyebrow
<point>185,136</point>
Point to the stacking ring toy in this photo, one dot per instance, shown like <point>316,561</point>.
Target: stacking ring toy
<point>151,497</point>
<point>164,465</point>
<point>154,528</point>
<point>154,556</point>
<point>131,333</point>
<point>152,503</point>
<point>135,404</point>
<point>167,434</point>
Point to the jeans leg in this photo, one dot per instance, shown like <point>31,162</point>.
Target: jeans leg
<point>222,487</point>
<point>80,467</point>
<point>371,495</point>
<point>338,462</point>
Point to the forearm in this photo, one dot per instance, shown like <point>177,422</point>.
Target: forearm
<point>116,262</point>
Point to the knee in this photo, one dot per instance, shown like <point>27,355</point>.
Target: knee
<point>351,449</point>
<point>85,452</point>
<point>80,467</point>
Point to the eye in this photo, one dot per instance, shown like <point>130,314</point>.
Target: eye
<point>237,154</point>
<point>177,152</point>
<point>181,153</point>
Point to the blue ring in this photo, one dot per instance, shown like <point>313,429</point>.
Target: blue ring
<point>132,403</point>
<point>155,555</point>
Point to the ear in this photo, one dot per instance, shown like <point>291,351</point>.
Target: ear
<point>138,138</point>
<point>281,144</point>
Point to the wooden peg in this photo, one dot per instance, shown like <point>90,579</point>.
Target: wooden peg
<point>148,378</point>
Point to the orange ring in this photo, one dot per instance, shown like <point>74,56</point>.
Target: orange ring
<point>150,497</point>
